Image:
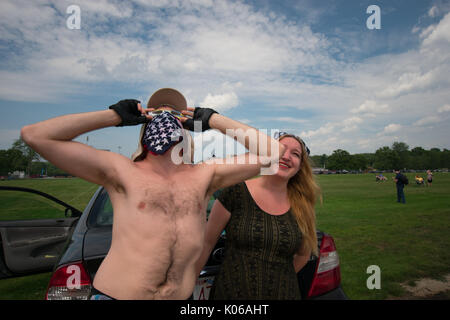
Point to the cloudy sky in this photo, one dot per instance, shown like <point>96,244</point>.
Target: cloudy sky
<point>309,67</point>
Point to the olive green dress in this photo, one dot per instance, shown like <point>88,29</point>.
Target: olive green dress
<point>259,250</point>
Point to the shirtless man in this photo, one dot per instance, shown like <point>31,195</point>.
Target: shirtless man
<point>159,206</point>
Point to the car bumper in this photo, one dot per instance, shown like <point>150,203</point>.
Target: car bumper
<point>335,294</point>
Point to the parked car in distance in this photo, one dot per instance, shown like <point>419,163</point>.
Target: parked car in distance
<point>87,241</point>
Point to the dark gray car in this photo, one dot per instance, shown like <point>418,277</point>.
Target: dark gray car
<point>74,247</point>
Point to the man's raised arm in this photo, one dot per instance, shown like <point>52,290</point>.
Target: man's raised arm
<point>52,139</point>
<point>264,150</point>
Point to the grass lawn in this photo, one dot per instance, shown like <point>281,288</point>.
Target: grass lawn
<point>17,205</point>
<point>407,242</point>
<point>25,288</point>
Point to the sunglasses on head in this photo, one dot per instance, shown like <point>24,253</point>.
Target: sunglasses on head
<point>175,113</point>
<point>280,134</point>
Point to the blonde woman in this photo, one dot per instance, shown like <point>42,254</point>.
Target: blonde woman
<point>270,230</point>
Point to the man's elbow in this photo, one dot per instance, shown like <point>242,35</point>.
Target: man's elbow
<point>26,134</point>
<point>30,135</point>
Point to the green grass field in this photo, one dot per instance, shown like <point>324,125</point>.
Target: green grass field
<point>22,205</point>
<point>407,242</point>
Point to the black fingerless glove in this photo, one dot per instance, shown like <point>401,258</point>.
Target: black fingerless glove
<point>128,112</point>
<point>200,114</point>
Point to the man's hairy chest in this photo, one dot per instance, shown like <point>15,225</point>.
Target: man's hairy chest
<point>170,201</point>
<point>181,194</point>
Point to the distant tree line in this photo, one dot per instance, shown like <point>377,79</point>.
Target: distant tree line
<point>398,156</point>
<point>20,157</point>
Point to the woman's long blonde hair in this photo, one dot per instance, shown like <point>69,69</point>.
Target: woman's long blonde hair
<point>302,193</point>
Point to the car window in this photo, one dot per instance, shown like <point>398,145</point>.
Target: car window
<point>18,205</point>
<point>102,211</point>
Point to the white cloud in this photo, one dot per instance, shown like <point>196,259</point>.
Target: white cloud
<point>325,130</point>
<point>199,43</point>
<point>352,121</point>
<point>351,124</point>
<point>391,128</point>
<point>445,108</point>
<point>409,82</point>
<point>433,11</point>
<point>287,119</point>
<point>332,135</point>
<point>220,102</point>
<point>426,31</point>
<point>104,8</point>
<point>174,3</point>
<point>370,107</point>
<point>439,32</point>
<point>428,121</point>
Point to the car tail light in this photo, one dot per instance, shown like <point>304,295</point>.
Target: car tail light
<point>328,273</point>
<point>69,282</point>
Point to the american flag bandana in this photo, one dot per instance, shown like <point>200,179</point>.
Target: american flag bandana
<point>161,133</point>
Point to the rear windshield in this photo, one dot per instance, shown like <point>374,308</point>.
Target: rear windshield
<point>102,211</point>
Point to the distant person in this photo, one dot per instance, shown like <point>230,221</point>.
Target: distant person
<point>400,184</point>
<point>429,178</point>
